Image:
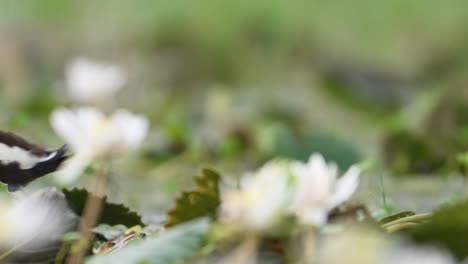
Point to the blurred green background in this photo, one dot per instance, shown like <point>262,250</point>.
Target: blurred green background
<point>231,84</point>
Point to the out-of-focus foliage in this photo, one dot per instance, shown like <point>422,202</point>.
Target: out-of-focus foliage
<point>394,217</point>
<point>286,144</point>
<point>447,228</point>
<point>108,232</point>
<point>201,202</point>
<point>167,247</point>
<point>292,63</point>
<point>232,84</point>
<point>112,214</point>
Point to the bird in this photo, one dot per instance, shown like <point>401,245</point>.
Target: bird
<point>22,162</point>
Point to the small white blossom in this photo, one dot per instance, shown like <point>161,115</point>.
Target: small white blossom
<point>318,190</point>
<point>93,82</point>
<point>91,134</point>
<point>261,199</point>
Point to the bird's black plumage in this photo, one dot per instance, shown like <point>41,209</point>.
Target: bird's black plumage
<point>13,170</point>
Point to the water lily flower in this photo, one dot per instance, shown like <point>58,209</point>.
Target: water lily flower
<point>318,190</point>
<point>92,135</point>
<point>308,191</point>
<point>93,82</point>
<point>261,199</point>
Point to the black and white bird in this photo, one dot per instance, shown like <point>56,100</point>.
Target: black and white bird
<point>22,162</point>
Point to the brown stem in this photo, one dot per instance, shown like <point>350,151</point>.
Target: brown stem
<point>309,247</point>
<point>90,218</point>
<point>245,253</point>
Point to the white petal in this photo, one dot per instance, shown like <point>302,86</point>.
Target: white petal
<point>261,199</point>
<point>317,162</point>
<point>321,173</point>
<point>65,124</point>
<point>133,128</point>
<point>72,169</point>
<point>316,216</point>
<point>345,187</point>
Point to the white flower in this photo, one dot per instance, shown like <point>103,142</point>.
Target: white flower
<point>36,220</point>
<point>308,191</point>
<point>91,134</point>
<point>318,190</point>
<point>93,82</point>
<point>261,199</point>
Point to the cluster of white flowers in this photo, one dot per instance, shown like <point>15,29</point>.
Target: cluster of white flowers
<point>308,191</point>
<point>91,133</point>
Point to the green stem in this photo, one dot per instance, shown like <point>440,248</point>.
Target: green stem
<point>412,218</point>
<point>384,196</point>
<point>13,249</point>
<point>399,227</point>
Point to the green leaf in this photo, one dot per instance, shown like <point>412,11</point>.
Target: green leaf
<point>170,246</point>
<point>448,228</point>
<point>108,232</point>
<point>203,201</point>
<point>394,217</point>
<point>3,188</point>
<point>112,214</point>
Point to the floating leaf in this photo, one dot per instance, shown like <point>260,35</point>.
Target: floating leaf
<point>203,201</point>
<point>118,243</point>
<point>394,217</point>
<point>112,214</point>
<point>168,247</point>
<point>107,232</point>
<point>448,228</point>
